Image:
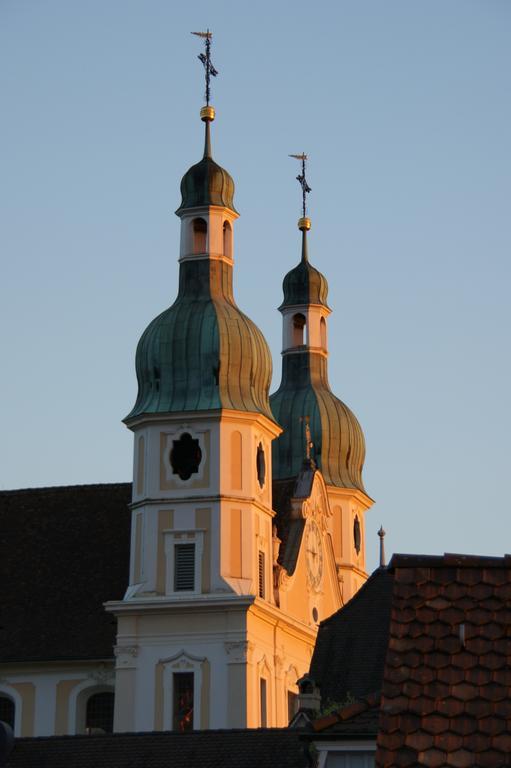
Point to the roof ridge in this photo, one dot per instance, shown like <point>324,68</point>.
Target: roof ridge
<point>449,559</point>
<point>53,488</point>
<point>348,711</point>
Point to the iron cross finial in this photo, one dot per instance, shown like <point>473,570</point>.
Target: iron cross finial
<point>209,69</point>
<point>303,181</point>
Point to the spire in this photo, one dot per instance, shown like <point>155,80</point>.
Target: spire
<point>207,112</point>
<point>207,115</point>
<point>206,183</point>
<point>304,223</point>
<point>381,534</point>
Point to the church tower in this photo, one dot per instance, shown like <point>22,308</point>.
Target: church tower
<point>203,640</point>
<point>305,407</point>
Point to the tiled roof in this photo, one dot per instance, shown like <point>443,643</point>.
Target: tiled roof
<point>446,693</point>
<point>358,719</point>
<point>64,551</point>
<point>350,650</point>
<point>200,749</point>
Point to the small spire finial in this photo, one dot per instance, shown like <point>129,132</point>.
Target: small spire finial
<point>381,534</point>
<point>304,222</point>
<point>309,445</point>
<point>205,58</point>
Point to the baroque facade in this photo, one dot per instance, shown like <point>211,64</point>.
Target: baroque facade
<point>247,511</point>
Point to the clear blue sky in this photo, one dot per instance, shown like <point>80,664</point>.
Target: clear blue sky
<point>404,109</point>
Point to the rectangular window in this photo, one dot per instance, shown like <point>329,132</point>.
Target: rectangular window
<point>182,704</point>
<point>292,705</point>
<point>263,694</point>
<point>261,590</point>
<point>184,567</point>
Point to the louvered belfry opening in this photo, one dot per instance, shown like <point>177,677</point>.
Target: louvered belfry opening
<point>261,589</point>
<point>184,567</point>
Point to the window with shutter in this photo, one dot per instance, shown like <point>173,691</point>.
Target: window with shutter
<point>261,590</point>
<point>184,567</point>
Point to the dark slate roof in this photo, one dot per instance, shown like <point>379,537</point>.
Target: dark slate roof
<point>356,720</point>
<point>447,684</point>
<point>64,551</point>
<point>352,644</point>
<point>200,749</point>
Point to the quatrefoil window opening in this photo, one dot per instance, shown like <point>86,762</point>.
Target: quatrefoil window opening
<point>185,456</point>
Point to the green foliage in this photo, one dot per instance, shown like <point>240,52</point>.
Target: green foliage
<point>333,706</point>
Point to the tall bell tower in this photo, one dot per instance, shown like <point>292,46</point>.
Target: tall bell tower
<point>337,446</point>
<point>201,640</point>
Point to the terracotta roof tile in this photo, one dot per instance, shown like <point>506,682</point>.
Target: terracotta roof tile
<point>492,725</point>
<point>464,725</point>
<point>460,758</point>
<point>464,691</point>
<point>420,741</point>
<point>492,758</point>
<point>435,724</point>
<point>448,741</point>
<point>503,742</point>
<point>446,694</point>
<point>433,758</point>
<point>450,706</point>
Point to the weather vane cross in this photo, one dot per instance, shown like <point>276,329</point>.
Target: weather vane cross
<point>205,58</point>
<point>303,181</point>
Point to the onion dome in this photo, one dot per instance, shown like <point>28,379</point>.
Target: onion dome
<point>338,445</point>
<point>203,353</point>
<point>304,395</point>
<point>304,284</point>
<point>206,182</point>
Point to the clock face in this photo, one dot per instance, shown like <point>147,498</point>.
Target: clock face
<point>314,552</point>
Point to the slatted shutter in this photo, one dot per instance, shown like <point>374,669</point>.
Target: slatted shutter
<point>184,567</point>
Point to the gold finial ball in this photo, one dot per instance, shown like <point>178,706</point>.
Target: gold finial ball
<point>207,113</point>
<point>304,223</point>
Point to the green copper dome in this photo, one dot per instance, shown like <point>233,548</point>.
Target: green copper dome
<point>203,353</point>
<point>304,284</point>
<point>207,183</point>
<point>338,440</point>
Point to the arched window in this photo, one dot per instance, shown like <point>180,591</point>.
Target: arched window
<point>7,710</point>
<point>322,331</point>
<point>200,233</point>
<point>227,240</point>
<point>99,713</point>
<point>298,329</point>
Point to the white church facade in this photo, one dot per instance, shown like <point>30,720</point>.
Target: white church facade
<point>247,511</point>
